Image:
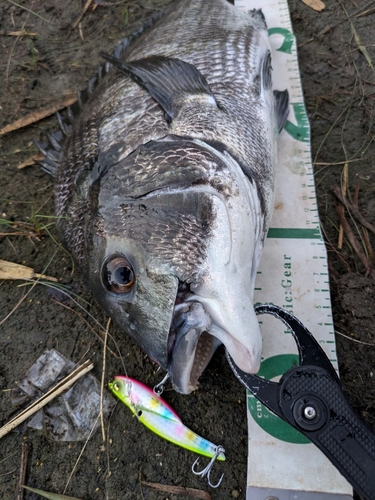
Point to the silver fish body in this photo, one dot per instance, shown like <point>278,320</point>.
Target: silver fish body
<point>164,186</point>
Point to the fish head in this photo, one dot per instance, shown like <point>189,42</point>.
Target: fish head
<point>121,387</point>
<point>174,265</point>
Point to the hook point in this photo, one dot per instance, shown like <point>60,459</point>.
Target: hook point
<point>207,470</point>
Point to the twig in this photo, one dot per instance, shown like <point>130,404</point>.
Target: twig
<point>108,472</point>
<point>16,306</point>
<point>356,195</point>
<point>359,43</point>
<point>34,283</point>
<point>361,47</point>
<point>325,164</point>
<point>80,32</point>
<point>62,386</point>
<point>305,42</point>
<point>49,495</point>
<point>87,323</point>
<point>31,11</point>
<point>21,481</point>
<point>366,13</point>
<point>337,192</point>
<point>31,161</point>
<point>354,340</point>
<point>12,50</point>
<point>140,486</point>
<point>78,20</point>
<point>38,115</point>
<point>342,207</point>
<point>19,233</point>
<point>8,457</point>
<point>18,33</point>
<point>20,228</point>
<point>103,377</point>
<point>12,271</point>
<point>354,242</point>
<point>367,243</point>
<point>334,249</point>
<point>8,473</point>
<point>365,237</point>
<point>80,455</point>
<point>178,490</point>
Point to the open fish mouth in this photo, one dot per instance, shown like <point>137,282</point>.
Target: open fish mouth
<point>190,345</point>
<point>196,351</point>
<point>193,339</point>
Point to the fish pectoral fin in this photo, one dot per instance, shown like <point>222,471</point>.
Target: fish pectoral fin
<point>281,107</point>
<point>281,97</point>
<point>267,71</point>
<point>170,81</point>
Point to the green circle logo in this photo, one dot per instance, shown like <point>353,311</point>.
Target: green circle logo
<point>268,421</point>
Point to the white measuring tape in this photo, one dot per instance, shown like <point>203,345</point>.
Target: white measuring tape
<point>293,274</point>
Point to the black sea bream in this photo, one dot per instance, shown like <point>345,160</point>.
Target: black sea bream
<point>164,185</point>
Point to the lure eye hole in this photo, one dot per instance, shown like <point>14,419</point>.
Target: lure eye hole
<point>119,275</point>
<point>116,386</point>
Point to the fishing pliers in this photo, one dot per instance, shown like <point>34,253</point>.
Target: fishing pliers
<point>309,397</point>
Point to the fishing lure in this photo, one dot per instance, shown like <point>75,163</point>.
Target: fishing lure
<point>153,412</point>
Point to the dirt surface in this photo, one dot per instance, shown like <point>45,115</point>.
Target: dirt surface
<point>42,67</point>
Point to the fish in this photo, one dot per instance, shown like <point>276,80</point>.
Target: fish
<point>153,412</point>
<point>164,182</point>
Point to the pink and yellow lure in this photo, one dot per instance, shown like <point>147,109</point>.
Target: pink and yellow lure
<point>159,417</point>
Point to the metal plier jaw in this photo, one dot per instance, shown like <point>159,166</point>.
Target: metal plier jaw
<point>309,397</point>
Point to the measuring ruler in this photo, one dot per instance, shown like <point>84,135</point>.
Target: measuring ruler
<point>293,274</point>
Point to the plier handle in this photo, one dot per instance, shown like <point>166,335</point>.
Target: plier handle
<point>309,397</point>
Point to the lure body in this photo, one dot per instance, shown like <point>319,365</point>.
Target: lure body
<point>159,417</point>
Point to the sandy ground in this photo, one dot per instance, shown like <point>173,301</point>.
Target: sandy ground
<point>43,67</point>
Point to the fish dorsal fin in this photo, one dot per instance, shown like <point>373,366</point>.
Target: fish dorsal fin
<point>170,81</point>
<point>281,107</point>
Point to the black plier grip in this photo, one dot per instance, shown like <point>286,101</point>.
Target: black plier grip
<point>309,397</point>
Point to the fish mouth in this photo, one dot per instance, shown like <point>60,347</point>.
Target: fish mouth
<point>193,339</point>
<point>191,346</point>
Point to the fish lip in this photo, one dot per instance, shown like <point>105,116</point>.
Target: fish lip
<point>187,364</point>
<point>180,367</point>
<point>195,339</point>
<point>193,346</point>
<point>247,360</point>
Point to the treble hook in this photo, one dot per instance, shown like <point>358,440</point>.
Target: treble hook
<point>159,388</point>
<point>207,470</point>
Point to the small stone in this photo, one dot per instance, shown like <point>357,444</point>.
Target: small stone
<point>235,493</point>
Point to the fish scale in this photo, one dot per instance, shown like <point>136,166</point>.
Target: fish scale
<point>142,178</point>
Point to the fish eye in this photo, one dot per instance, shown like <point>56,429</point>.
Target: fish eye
<point>119,276</point>
<point>116,386</point>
